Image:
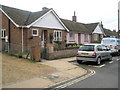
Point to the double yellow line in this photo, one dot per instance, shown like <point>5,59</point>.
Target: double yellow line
<point>92,72</point>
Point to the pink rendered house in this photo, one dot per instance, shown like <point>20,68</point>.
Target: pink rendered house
<point>80,33</point>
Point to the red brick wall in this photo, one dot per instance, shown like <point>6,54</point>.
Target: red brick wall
<point>36,41</point>
<point>62,54</point>
<point>15,34</point>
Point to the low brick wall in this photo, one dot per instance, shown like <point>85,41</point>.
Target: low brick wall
<point>62,54</point>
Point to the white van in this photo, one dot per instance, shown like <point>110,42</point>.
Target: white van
<point>113,43</point>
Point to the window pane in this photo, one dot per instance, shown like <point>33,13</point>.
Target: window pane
<point>60,36</point>
<point>85,37</point>
<point>3,33</point>
<point>72,36</point>
<point>86,48</point>
<point>57,35</point>
<point>34,31</point>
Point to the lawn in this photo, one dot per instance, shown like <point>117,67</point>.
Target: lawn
<point>17,69</point>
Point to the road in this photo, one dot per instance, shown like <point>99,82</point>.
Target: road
<point>106,75</point>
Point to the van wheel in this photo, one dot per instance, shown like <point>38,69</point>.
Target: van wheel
<point>99,61</point>
<point>79,61</point>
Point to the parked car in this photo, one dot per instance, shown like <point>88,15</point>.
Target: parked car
<point>93,52</point>
<point>113,43</point>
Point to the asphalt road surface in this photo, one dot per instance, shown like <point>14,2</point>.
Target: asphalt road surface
<point>106,75</point>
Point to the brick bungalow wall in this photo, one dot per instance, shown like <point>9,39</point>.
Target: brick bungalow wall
<point>15,34</point>
<point>34,44</point>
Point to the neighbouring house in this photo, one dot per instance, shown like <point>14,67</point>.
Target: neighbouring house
<point>80,33</point>
<point>97,32</point>
<point>109,33</point>
<point>24,31</point>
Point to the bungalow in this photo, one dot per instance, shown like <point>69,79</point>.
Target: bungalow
<point>80,33</point>
<point>25,31</point>
<point>97,32</point>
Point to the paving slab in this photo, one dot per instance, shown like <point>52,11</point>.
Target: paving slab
<point>32,83</point>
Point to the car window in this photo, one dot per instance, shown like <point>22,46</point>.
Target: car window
<point>108,49</point>
<point>99,48</point>
<point>104,48</point>
<point>86,48</point>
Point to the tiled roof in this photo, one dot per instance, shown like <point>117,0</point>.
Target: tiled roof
<point>22,17</point>
<point>91,26</point>
<point>110,33</point>
<point>75,26</point>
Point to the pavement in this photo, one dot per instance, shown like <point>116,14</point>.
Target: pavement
<point>65,71</point>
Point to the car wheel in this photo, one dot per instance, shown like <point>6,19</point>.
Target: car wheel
<point>110,58</point>
<point>99,61</point>
<point>79,61</point>
<point>119,53</point>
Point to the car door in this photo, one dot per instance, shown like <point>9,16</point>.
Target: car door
<point>100,51</point>
<point>104,52</point>
<point>108,52</point>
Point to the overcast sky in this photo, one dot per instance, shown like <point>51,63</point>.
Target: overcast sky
<point>87,11</point>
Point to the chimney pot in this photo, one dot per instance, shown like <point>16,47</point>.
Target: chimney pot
<point>74,18</point>
<point>44,8</point>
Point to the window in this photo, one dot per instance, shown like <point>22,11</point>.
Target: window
<point>85,37</point>
<point>86,48</point>
<point>57,35</point>
<point>99,48</point>
<point>2,33</point>
<point>95,37</point>
<point>72,37</point>
<point>34,32</point>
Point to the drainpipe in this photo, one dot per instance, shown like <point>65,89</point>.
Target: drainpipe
<point>118,25</point>
<point>22,39</point>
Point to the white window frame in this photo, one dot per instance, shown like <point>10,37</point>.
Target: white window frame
<point>3,33</point>
<point>59,35</point>
<point>33,33</point>
<point>71,37</point>
<point>95,37</point>
<point>85,37</point>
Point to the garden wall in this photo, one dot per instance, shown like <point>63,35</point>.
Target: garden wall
<point>62,53</point>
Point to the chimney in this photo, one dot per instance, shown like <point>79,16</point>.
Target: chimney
<point>74,18</point>
<point>44,8</point>
<point>101,24</point>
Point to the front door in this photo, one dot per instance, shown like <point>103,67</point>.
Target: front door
<point>79,38</point>
<point>44,38</point>
<point>43,44</point>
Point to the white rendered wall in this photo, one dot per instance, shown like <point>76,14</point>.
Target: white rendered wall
<point>98,30</point>
<point>49,21</point>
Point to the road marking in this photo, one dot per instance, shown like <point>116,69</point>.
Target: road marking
<point>118,59</point>
<point>92,72</point>
<point>111,62</point>
<point>98,66</point>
